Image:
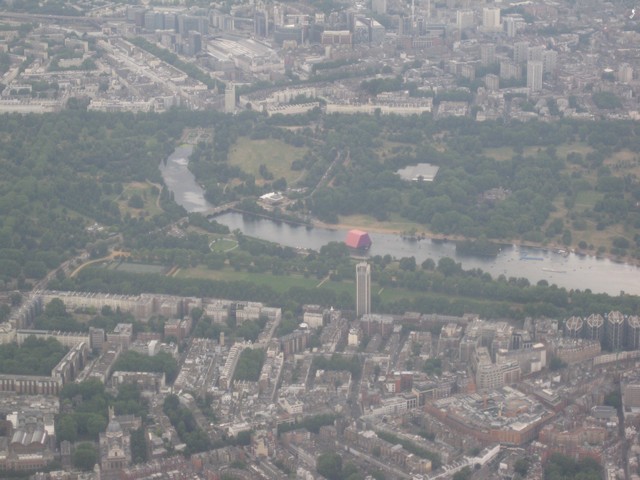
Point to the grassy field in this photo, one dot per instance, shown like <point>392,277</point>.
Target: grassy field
<point>282,284</point>
<point>395,294</point>
<point>150,199</point>
<point>587,199</point>
<point>223,245</point>
<point>395,223</point>
<point>276,155</point>
<point>390,149</point>
<point>577,147</point>
<point>139,268</point>
<point>279,283</point>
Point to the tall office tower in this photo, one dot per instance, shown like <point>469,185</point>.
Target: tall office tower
<point>487,54</point>
<point>549,61</point>
<point>492,82</point>
<point>510,70</point>
<point>379,6</point>
<point>230,98</point>
<point>464,19</point>
<point>520,52</point>
<point>595,327</point>
<point>615,330</point>
<point>573,327</point>
<point>363,289</point>
<point>491,19</point>
<point>535,53</point>
<point>633,332</point>
<point>625,73</point>
<point>534,76</point>
<point>511,26</point>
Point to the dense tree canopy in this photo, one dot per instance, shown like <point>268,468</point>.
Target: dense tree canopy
<point>561,467</point>
<point>34,357</point>
<point>131,361</point>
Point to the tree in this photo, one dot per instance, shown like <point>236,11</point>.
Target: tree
<point>329,465</point>
<point>447,266</point>
<point>555,363</point>
<point>428,264</point>
<point>464,474</point>
<point>408,264</point>
<point>95,424</point>
<point>55,308</point>
<point>613,399</point>
<point>67,429</point>
<point>85,456</point>
<point>562,467</point>
<point>521,467</point>
<point>606,100</point>
<point>135,201</point>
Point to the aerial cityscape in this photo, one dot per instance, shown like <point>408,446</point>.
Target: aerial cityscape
<point>314,240</point>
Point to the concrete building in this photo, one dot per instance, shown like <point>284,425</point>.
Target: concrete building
<point>492,82</point>
<point>615,331</point>
<point>379,6</point>
<point>512,24</point>
<point>530,360</point>
<point>503,415</point>
<point>534,76</point>
<point>535,53</point>
<point>491,19</point>
<point>573,327</point>
<point>487,54</point>
<point>67,339</point>
<point>625,73</point>
<point>373,324</point>
<point>574,351</point>
<point>489,375</point>
<point>549,61</point>
<point>464,19</point>
<point>363,289</point>
<point>633,332</point>
<point>230,98</point>
<point>96,338</point>
<point>594,329</point>
<point>122,335</point>
<point>313,315</point>
<point>520,52</point>
<point>115,449</point>
<point>509,70</point>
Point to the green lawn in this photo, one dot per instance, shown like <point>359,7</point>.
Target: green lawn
<point>587,198</point>
<point>223,245</point>
<point>500,154</point>
<point>140,268</point>
<point>277,282</point>
<point>577,147</point>
<point>276,155</point>
<point>395,223</point>
<point>145,191</point>
<point>280,283</point>
<point>395,294</point>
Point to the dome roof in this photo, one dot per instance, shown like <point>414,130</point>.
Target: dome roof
<point>114,426</point>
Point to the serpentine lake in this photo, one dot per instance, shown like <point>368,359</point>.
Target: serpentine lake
<point>570,271</point>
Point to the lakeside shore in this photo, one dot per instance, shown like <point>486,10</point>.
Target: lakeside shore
<point>428,235</point>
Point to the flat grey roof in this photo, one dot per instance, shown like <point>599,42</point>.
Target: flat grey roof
<point>426,171</point>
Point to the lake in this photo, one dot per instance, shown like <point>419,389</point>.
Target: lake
<point>570,271</point>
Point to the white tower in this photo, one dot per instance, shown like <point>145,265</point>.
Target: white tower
<point>363,289</point>
<point>534,76</point>
<point>230,98</point>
